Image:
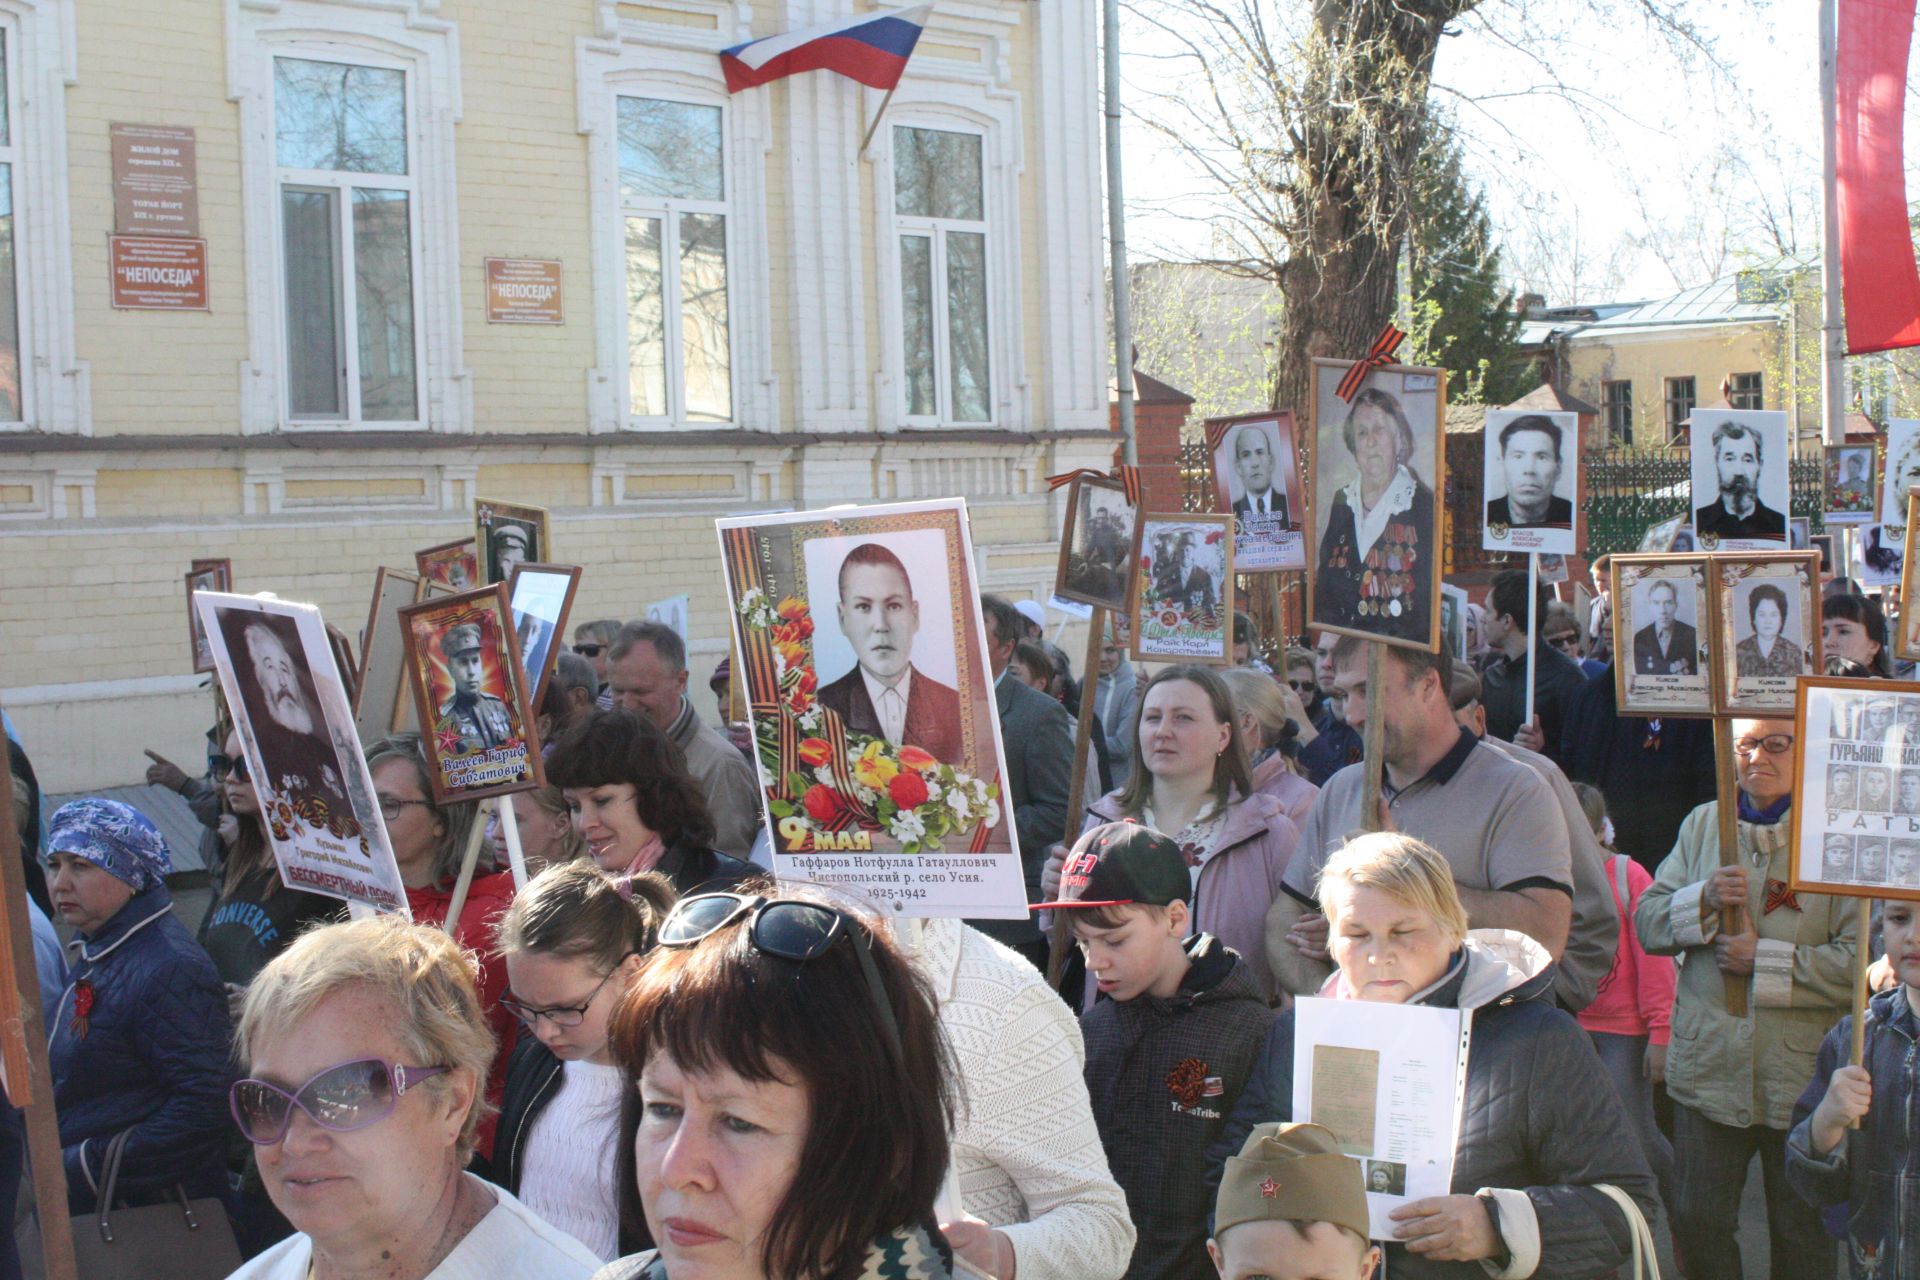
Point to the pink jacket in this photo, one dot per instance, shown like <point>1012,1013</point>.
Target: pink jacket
<point>1241,880</point>
<point>1636,996</point>
<point>1295,794</point>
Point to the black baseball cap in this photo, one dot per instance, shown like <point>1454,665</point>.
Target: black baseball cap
<point>1123,864</point>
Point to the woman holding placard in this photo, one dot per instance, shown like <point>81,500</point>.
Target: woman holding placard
<point>1541,1128</point>
<point>1734,1080</point>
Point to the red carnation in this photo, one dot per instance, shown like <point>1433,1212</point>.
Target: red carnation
<point>822,802</point>
<point>907,789</point>
<point>82,998</point>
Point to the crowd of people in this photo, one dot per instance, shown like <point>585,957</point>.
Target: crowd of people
<point>649,1060</point>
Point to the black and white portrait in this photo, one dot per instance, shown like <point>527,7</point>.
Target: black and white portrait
<point>540,597</point>
<point>1531,478</point>
<point>1843,788</point>
<point>1386,1177</point>
<point>1256,476</point>
<point>1661,612</point>
<point>1870,860</point>
<point>1836,858</point>
<point>1768,629</point>
<point>1903,863</point>
<point>1669,643</point>
<point>1875,787</point>
<point>506,535</point>
<point>1741,486</point>
<point>1096,557</point>
<point>1880,552</point>
<point>1902,475</point>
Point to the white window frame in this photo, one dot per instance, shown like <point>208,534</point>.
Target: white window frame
<point>404,35</point>
<point>937,230</point>
<point>954,107</point>
<point>633,58</point>
<point>55,385</point>
<point>341,183</point>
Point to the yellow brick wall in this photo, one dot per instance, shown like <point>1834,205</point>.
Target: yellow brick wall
<point>1648,361</point>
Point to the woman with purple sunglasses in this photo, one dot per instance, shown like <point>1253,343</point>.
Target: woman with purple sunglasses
<point>366,1048</point>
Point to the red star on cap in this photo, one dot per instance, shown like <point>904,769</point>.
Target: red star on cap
<point>1269,1188</point>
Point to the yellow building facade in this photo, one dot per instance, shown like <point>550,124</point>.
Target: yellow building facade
<point>753,313</point>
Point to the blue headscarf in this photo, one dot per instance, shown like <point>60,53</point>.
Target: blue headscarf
<point>115,837</point>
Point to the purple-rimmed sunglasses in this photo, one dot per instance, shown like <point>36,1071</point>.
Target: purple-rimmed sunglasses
<point>342,1098</point>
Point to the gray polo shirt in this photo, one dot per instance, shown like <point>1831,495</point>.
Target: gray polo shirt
<point>1492,818</point>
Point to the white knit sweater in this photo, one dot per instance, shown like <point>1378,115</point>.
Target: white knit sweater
<point>572,1153</point>
<point>1027,1156</point>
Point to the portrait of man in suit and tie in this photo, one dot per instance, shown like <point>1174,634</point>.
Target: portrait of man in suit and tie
<point>1256,476</point>
<point>1666,646</point>
<point>885,694</point>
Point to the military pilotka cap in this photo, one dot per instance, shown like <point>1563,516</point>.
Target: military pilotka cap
<point>1123,864</point>
<point>1294,1173</point>
<point>511,532</point>
<point>464,638</point>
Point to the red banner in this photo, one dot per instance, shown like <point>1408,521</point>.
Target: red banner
<point>1879,281</point>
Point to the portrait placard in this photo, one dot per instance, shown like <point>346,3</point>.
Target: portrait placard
<point>1453,620</point>
<point>1553,569</point>
<point>343,661</point>
<point>866,667</point>
<point>1856,820</point>
<point>1852,489</point>
<point>1823,543</point>
<point>1741,486</point>
<point>454,565</point>
<point>1880,554</point>
<point>1183,598</point>
<point>296,730</point>
<point>1664,536</point>
<point>1098,548</point>
<point>541,596</point>
<point>381,706</point>
<point>1902,474</point>
<point>469,688</point>
<point>672,612</point>
<point>1256,476</point>
<point>1661,663</point>
<point>1766,629</point>
<point>1799,533</point>
<point>1531,481</point>
<point>1378,462</point>
<point>1906,639</point>
<point>205,575</point>
<point>507,534</point>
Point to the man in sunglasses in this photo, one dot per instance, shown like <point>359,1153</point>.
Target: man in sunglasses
<point>593,641</point>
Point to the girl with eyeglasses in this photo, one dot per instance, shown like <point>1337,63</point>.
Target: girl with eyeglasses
<point>1734,1080</point>
<point>571,943</point>
<point>365,1047</point>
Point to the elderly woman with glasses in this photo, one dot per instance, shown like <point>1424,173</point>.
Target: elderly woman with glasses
<point>138,1040</point>
<point>1734,1079</point>
<point>794,1099</point>
<point>365,1049</point>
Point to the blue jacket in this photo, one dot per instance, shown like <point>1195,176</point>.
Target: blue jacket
<point>1876,1171</point>
<point>155,1057</point>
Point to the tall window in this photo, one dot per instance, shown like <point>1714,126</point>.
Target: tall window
<point>346,218</point>
<point>939,209</point>
<point>10,409</point>
<point>1680,402</point>
<point>1616,404</point>
<point>673,199</point>
<point>1744,391</point>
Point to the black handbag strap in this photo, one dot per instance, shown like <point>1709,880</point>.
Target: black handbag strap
<point>110,1180</point>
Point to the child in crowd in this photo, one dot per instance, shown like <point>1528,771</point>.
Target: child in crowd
<point>1170,1046</point>
<point>1291,1207</point>
<point>1630,1014</point>
<point>1875,1168</point>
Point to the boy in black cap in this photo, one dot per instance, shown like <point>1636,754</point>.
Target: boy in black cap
<point>1168,1051</point>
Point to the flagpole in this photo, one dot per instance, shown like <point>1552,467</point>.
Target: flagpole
<point>876,118</point>
<point>1833,339</point>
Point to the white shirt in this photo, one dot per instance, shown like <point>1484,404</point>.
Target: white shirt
<point>889,703</point>
<point>509,1241</point>
<point>1369,525</point>
<point>571,1158</point>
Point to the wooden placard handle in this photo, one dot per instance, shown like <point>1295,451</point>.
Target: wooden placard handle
<point>1726,790</point>
<point>1057,936</point>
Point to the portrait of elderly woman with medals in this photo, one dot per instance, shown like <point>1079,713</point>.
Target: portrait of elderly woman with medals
<point>1375,520</point>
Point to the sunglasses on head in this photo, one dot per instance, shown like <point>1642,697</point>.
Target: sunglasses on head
<point>785,929</point>
<point>343,1098</point>
<point>229,767</point>
<point>588,650</point>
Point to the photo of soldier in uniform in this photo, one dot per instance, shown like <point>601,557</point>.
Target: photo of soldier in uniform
<point>453,565</point>
<point>1096,555</point>
<point>469,683</point>
<point>508,534</point>
<point>1851,492</point>
<point>1183,610</point>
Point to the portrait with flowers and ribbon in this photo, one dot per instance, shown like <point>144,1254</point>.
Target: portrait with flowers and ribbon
<point>299,746</point>
<point>470,691</point>
<point>1378,463</point>
<point>864,663</point>
<point>1256,476</point>
<point>1101,539</point>
<point>1183,594</point>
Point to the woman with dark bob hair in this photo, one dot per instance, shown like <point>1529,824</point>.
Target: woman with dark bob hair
<point>794,1099</point>
<point>637,807</point>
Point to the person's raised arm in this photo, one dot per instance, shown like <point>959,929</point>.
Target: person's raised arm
<point>1296,943</point>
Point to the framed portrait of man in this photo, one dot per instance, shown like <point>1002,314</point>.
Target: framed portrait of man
<point>876,729</point>
<point>1531,481</point>
<point>453,565</point>
<point>541,596</point>
<point>1902,474</point>
<point>381,705</point>
<point>1741,486</point>
<point>1098,547</point>
<point>1767,629</point>
<point>1880,554</point>
<point>1662,664</point>
<point>508,534</point>
<point>1183,598</point>
<point>1855,828</point>
<point>205,575</point>
<point>295,723</point>
<point>1378,464</point>
<point>470,691</point>
<point>1851,487</point>
<point>1453,619</point>
<point>1256,476</point>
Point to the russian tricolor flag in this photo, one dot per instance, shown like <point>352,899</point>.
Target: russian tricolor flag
<point>872,48</point>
